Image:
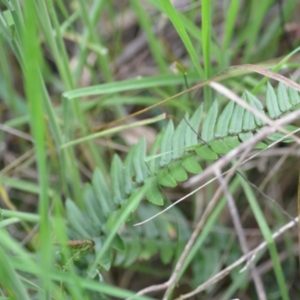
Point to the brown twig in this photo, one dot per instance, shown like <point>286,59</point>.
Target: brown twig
<point>241,235</point>
<point>227,270</point>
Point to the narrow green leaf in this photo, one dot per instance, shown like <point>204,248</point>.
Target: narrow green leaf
<point>278,135</point>
<point>207,133</point>
<point>191,135</point>
<point>106,259</point>
<point>177,171</point>
<point>132,252</point>
<point>166,145</point>
<point>102,192</point>
<point>178,138</point>
<point>9,22</point>
<point>78,220</point>
<point>257,104</point>
<point>120,257</point>
<point>293,96</point>
<point>245,136</point>
<point>219,146</point>
<point>144,212</point>
<point>232,141</point>
<point>92,206</point>
<point>230,21</point>
<point>145,22</point>
<point>139,165</point>
<point>152,161</point>
<point>127,172</point>
<point>177,23</point>
<point>261,220</point>
<point>118,243</point>
<point>205,152</point>
<point>116,171</point>
<point>283,98</point>
<point>128,85</point>
<point>190,163</point>
<point>271,102</point>
<point>261,146</point>
<point>114,217</point>
<point>249,120</point>
<point>224,120</point>
<point>153,193</point>
<point>165,179</point>
<point>206,11</point>
<point>236,122</point>
<point>10,279</point>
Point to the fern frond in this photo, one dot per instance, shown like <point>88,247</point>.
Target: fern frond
<point>176,152</point>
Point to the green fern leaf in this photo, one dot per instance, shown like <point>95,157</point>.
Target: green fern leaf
<point>127,173</point>
<point>253,101</point>
<point>222,127</point>
<point>190,163</point>
<point>165,179</point>
<point>191,134</point>
<point>166,145</point>
<point>139,165</point>
<point>102,192</point>
<point>271,102</point>
<point>118,243</point>
<point>92,206</point>
<point>207,133</point>
<point>245,136</point>
<point>178,139</point>
<point>152,160</point>
<point>117,183</point>
<point>78,220</point>
<point>106,259</point>
<point>283,98</point>
<point>177,171</point>
<point>278,135</point>
<point>144,212</point>
<point>249,120</point>
<point>112,218</point>
<point>121,257</point>
<point>153,193</point>
<point>132,252</point>
<point>293,96</point>
<point>232,141</point>
<point>219,146</point>
<point>236,122</point>
<point>205,153</point>
<point>248,135</point>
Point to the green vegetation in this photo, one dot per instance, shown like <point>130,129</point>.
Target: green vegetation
<point>148,149</point>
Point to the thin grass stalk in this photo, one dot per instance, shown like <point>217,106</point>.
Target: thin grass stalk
<point>32,59</point>
<point>205,42</point>
<point>103,58</point>
<point>268,237</point>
